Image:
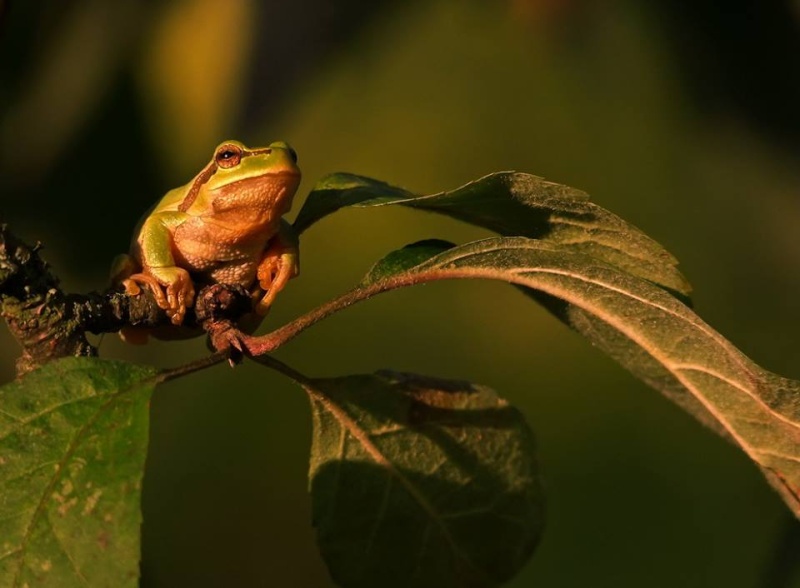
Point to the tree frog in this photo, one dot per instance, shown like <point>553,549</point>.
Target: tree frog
<point>224,226</point>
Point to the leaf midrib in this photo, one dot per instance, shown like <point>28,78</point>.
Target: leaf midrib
<point>568,296</point>
<point>61,465</point>
<point>348,424</point>
<point>731,351</point>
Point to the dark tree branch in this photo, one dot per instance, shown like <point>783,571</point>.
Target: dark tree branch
<point>49,323</point>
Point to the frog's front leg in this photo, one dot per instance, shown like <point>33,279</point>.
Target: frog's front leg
<point>279,263</point>
<point>159,269</point>
<point>179,294</point>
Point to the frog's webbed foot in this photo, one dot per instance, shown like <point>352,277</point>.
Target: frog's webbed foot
<point>178,295</point>
<point>278,265</point>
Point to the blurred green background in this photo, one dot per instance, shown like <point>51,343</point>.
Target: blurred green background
<point>681,119</point>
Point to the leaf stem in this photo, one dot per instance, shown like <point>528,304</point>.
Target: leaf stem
<point>191,367</point>
<point>283,369</point>
<point>258,346</point>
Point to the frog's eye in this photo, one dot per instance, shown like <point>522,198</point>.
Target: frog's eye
<point>228,156</point>
<point>292,154</point>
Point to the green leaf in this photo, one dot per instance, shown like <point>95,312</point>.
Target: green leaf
<point>421,482</point>
<point>516,204</point>
<point>648,331</point>
<point>406,258</point>
<point>338,190</point>
<point>73,439</point>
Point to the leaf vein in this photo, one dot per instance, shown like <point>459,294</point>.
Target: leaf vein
<point>624,328</point>
<point>423,544</point>
<point>8,554</point>
<point>21,422</point>
<point>27,473</point>
<point>347,423</point>
<point>779,455</point>
<point>63,548</point>
<point>733,354</point>
<point>68,453</point>
<point>384,505</point>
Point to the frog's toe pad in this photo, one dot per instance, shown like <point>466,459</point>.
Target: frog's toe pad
<point>131,287</point>
<point>133,282</point>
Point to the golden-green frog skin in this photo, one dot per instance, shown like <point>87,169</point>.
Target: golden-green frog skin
<point>224,226</point>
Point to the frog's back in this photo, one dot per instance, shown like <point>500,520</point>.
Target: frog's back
<point>170,201</point>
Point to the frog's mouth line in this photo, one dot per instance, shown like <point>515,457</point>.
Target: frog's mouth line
<point>258,178</point>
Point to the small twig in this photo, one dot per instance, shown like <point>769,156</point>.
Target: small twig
<point>191,367</point>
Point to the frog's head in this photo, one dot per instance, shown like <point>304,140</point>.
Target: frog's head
<point>241,184</point>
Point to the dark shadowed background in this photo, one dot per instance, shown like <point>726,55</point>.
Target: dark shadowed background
<point>681,119</point>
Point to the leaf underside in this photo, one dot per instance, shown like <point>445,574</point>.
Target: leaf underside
<point>73,439</point>
<point>515,204</point>
<point>652,334</point>
<point>608,281</point>
<point>421,482</point>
